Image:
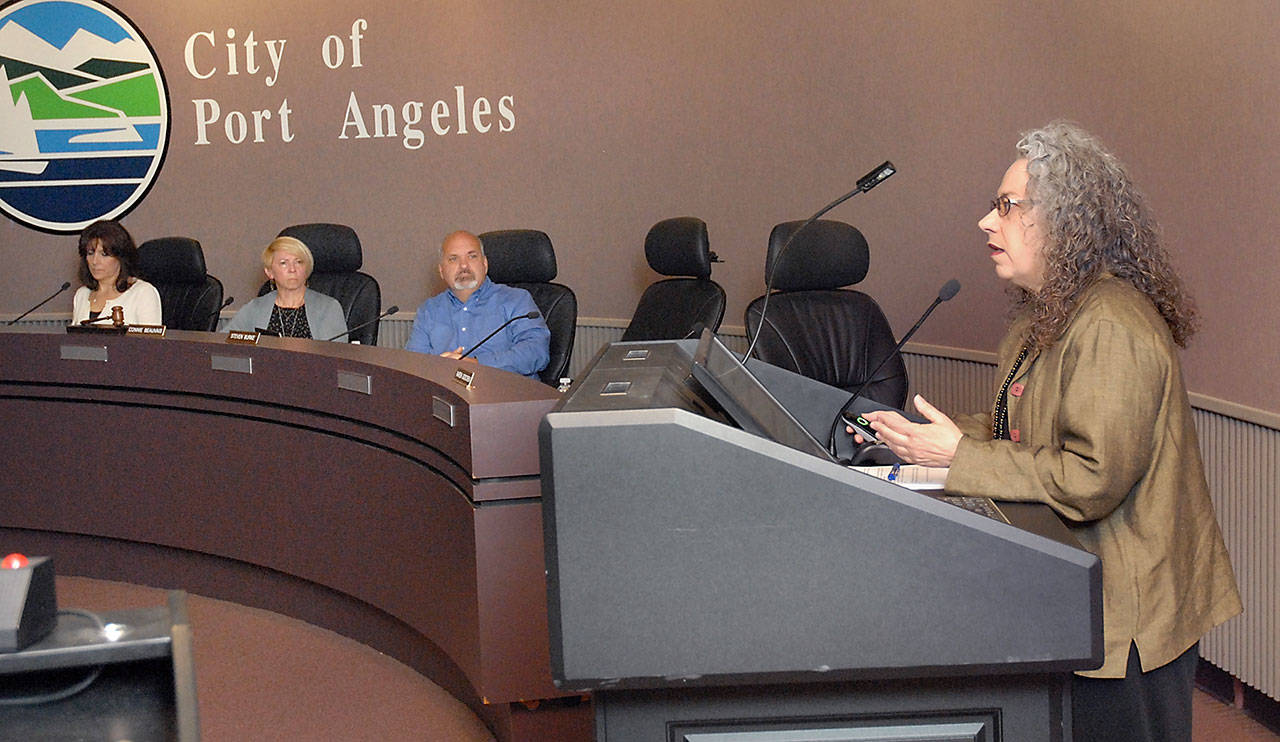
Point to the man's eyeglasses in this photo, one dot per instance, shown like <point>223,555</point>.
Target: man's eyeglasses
<point>1002,204</point>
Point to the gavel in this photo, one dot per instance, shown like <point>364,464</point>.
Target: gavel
<point>116,317</point>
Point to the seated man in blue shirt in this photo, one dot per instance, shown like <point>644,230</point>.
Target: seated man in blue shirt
<point>453,321</point>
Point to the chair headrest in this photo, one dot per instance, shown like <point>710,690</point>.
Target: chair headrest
<point>826,255</point>
<point>335,247</point>
<point>679,247</point>
<point>171,260</point>
<point>519,256</point>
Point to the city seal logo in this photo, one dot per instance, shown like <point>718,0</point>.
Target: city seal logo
<point>85,127</point>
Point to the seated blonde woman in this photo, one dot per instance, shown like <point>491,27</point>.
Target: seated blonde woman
<point>291,310</point>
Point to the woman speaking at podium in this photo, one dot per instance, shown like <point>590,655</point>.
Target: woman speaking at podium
<point>291,309</point>
<point>1090,416</point>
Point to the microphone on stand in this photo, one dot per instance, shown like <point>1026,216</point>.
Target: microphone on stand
<point>531,315</point>
<point>65,285</point>
<point>865,183</point>
<point>217,311</point>
<point>390,310</point>
<point>948,290</point>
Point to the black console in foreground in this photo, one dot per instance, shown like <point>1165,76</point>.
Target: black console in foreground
<point>704,580</point>
<point>123,675</point>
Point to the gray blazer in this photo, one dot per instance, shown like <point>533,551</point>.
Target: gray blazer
<point>324,315</point>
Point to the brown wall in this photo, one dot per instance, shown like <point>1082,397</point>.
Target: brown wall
<point>744,113</point>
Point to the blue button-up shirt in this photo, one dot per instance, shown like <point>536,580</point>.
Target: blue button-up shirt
<point>443,324</point>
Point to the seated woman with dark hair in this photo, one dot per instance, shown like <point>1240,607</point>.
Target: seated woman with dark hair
<point>108,260</point>
<point>291,310</point>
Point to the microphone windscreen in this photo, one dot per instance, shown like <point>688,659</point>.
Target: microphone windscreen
<point>532,315</point>
<point>877,176</point>
<point>393,309</point>
<point>65,285</point>
<point>948,290</point>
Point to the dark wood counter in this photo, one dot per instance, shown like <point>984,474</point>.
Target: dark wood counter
<point>357,488</point>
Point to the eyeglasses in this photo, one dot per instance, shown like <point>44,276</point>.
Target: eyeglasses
<point>1003,203</point>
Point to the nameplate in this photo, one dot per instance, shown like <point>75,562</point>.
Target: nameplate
<point>242,337</point>
<point>97,329</point>
<point>464,376</point>
<point>152,330</point>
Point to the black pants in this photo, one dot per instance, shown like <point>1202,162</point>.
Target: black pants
<point>1140,707</point>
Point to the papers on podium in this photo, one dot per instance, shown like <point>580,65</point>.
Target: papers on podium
<point>910,476</point>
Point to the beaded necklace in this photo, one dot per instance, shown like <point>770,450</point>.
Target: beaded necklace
<point>1000,414</point>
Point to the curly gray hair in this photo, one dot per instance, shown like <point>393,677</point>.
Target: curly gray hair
<point>1094,221</point>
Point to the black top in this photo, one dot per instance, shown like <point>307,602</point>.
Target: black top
<point>290,322</point>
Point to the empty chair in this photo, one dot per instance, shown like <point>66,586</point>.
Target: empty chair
<point>680,306</point>
<point>338,257</point>
<point>524,258</point>
<point>189,297</point>
<point>819,329</point>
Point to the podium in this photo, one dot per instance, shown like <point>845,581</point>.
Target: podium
<point>708,584</point>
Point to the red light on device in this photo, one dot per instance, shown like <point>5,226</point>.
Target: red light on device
<point>28,601</point>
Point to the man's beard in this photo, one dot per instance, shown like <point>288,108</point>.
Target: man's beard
<point>461,284</point>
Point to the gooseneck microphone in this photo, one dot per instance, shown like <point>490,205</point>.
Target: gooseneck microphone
<point>217,311</point>
<point>531,315</point>
<point>65,285</point>
<point>872,179</point>
<point>390,310</point>
<point>948,290</point>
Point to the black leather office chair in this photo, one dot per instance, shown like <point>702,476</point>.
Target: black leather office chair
<point>678,307</point>
<point>189,297</point>
<point>815,327</point>
<point>524,258</point>
<point>338,257</point>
